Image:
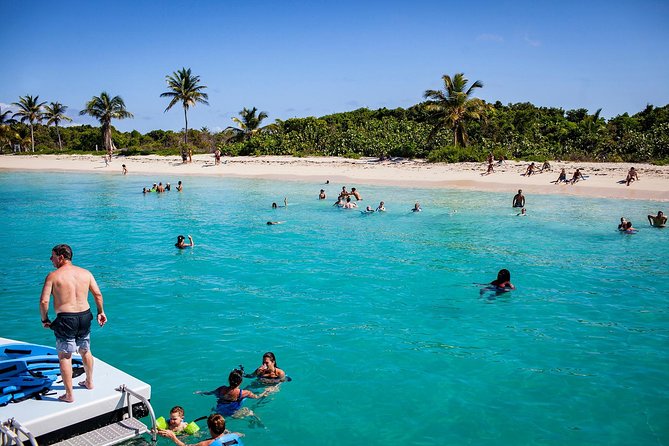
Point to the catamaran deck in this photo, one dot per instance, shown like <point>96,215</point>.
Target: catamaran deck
<point>49,415</point>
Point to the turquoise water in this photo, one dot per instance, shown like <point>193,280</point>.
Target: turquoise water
<point>376,318</point>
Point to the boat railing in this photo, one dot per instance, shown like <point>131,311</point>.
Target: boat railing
<point>129,392</point>
<point>11,431</point>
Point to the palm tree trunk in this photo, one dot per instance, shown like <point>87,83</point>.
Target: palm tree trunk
<point>60,143</point>
<point>186,132</point>
<point>109,144</point>
<point>32,137</point>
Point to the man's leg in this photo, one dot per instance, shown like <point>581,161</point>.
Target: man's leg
<point>65,360</point>
<point>87,359</point>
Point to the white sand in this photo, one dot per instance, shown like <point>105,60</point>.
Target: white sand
<point>603,178</point>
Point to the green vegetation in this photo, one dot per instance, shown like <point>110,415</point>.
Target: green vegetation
<point>451,126</point>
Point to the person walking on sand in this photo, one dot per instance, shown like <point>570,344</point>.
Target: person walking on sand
<point>69,286</point>
<point>217,156</point>
<point>519,199</point>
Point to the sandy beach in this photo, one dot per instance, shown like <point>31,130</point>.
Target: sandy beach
<point>602,179</point>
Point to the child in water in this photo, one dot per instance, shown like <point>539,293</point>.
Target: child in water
<point>177,423</point>
<point>503,281</point>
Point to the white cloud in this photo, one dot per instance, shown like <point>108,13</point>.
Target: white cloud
<point>532,42</point>
<point>490,38</point>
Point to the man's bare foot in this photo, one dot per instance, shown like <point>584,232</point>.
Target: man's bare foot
<point>66,399</point>
<point>86,384</point>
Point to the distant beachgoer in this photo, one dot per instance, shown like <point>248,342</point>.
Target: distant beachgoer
<point>220,436</point>
<point>491,169</point>
<point>217,156</point>
<point>274,206</point>
<point>168,187</point>
<point>344,193</point>
<point>154,188</point>
<point>274,222</point>
<point>490,158</point>
<point>503,281</point>
<point>180,186</point>
<point>181,244</point>
<point>327,181</point>
<point>632,175</point>
<point>356,194</point>
<point>70,286</point>
<point>349,204</point>
<point>659,220</point>
<point>623,224</point>
<point>369,210</point>
<point>269,370</point>
<point>629,229</point>
<point>519,199</point>
<point>562,178</point>
<point>106,160</point>
<point>341,201</point>
<point>530,170</point>
<point>146,191</point>
<point>381,207</point>
<point>522,213</point>
<point>416,208</point>
<point>125,170</point>
<point>321,195</point>
<point>577,176</point>
<point>545,166</point>
<point>160,188</point>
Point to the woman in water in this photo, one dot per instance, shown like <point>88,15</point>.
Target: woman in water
<point>416,208</point>
<point>231,397</point>
<point>381,208</point>
<point>503,281</point>
<point>269,370</point>
<point>181,244</point>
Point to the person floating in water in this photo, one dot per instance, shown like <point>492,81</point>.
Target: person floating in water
<point>181,244</point>
<point>381,207</point>
<point>230,398</point>
<point>274,222</point>
<point>659,220</point>
<point>503,281</point>
<point>416,207</point>
<point>522,213</point>
<point>269,370</point>
<point>519,199</point>
<point>219,434</point>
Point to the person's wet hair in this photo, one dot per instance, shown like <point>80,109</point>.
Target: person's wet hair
<point>503,275</point>
<point>271,356</point>
<point>235,377</point>
<point>63,250</point>
<point>216,424</point>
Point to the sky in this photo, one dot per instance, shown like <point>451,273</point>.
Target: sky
<point>313,58</point>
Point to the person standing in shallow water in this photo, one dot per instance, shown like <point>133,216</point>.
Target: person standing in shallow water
<point>69,286</point>
<point>519,199</point>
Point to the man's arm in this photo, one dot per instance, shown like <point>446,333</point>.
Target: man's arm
<point>44,301</point>
<point>97,295</point>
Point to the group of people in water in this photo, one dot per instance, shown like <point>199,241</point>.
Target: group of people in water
<point>657,221</point>
<point>344,201</point>
<point>159,188</point>
<point>229,401</point>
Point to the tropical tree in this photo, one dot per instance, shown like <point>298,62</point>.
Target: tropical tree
<point>105,108</point>
<point>249,124</point>
<point>184,87</point>
<point>54,113</point>
<point>4,117</point>
<point>454,107</point>
<point>29,111</point>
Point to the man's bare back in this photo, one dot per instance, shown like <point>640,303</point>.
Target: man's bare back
<point>69,286</point>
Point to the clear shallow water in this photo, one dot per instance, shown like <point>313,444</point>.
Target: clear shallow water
<point>376,318</point>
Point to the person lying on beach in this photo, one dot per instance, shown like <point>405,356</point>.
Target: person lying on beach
<point>219,434</point>
<point>623,223</point>
<point>577,176</point>
<point>349,204</point>
<point>416,208</point>
<point>659,220</point>
<point>181,244</point>
<point>632,175</point>
<point>519,199</point>
<point>381,207</point>
<point>521,213</point>
<point>530,170</point>
<point>562,178</point>
<point>545,166</point>
<point>322,195</point>
<point>269,370</point>
<point>356,194</point>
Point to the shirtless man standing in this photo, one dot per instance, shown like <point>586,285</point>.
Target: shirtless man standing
<point>69,286</point>
<point>519,199</point>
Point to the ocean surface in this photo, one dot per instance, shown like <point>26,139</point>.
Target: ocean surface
<point>378,319</point>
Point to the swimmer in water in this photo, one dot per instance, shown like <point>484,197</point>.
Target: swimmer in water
<point>274,222</point>
<point>629,229</point>
<point>659,220</point>
<point>416,208</point>
<point>369,210</point>
<point>522,213</point>
<point>181,244</point>
<point>381,207</point>
<point>322,195</point>
<point>269,370</point>
<point>230,397</point>
<point>503,281</point>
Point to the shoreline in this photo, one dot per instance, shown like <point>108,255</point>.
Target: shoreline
<point>603,179</point>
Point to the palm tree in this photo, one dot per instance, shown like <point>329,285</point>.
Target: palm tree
<point>104,109</point>
<point>249,124</point>
<point>454,107</point>
<point>4,119</point>
<point>184,88</point>
<point>31,111</point>
<point>54,113</point>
